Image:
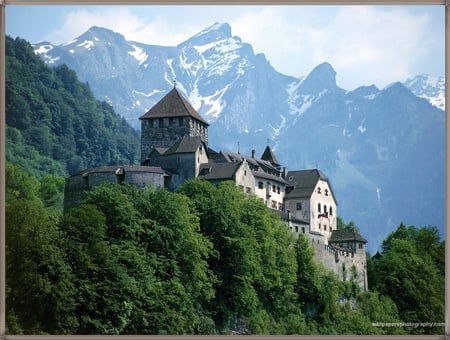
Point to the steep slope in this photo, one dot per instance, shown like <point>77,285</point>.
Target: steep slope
<point>431,88</point>
<point>54,123</point>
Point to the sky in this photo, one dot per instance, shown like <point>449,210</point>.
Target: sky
<point>365,44</point>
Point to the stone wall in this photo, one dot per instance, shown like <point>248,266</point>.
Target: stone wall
<point>139,176</point>
<point>165,132</point>
<point>341,261</point>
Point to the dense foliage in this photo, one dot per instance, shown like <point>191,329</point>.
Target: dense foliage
<point>54,123</point>
<point>410,270</point>
<point>204,260</point>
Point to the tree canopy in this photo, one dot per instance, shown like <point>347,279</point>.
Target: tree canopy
<point>54,123</point>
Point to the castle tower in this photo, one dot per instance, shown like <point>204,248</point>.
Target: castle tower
<point>171,119</point>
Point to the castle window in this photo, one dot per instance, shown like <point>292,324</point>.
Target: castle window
<point>278,190</point>
<point>201,149</point>
<point>319,207</point>
<point>360,245</point>
<point>331,210</point>
<point>273,188</point>
<point>325,209</point>
<point>260,185</point>
<point>318,190</point>
<point>299,206</point>
<point>325,227</point>
<point>303,230</point>
<point>248,190</point>
<point>245,172</point>
<point>296,229</point>
<point>326,192</point>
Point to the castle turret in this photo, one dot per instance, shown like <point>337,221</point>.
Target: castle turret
<point>171,119</point>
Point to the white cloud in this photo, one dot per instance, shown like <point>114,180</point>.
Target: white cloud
<point>365,44</point>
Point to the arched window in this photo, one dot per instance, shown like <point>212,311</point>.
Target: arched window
<point>319,207</point>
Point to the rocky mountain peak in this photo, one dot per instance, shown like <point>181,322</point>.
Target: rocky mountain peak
<point>215,32</point>
<point>322,77</point>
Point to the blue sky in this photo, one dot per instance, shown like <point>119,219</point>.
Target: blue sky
<point>365,44</point>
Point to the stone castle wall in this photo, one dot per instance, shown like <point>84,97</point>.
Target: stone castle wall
<point>138,176</point>
<point>341,262</point>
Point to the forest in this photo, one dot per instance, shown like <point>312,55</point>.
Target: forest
<point>53,122</point>
<point>202,260</point>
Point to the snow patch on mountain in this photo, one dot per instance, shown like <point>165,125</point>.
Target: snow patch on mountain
<point>149,94</point>
<point>138,54</point>
<point>70,42</point>
<point>211,105</point>
<point>431,88</point>
<point>86,44</point>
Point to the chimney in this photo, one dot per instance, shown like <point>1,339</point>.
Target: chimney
<point>285,171</point>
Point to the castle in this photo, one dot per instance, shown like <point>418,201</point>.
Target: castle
<point>174,148</point>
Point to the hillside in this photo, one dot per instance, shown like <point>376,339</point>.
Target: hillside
<point>54,123</point>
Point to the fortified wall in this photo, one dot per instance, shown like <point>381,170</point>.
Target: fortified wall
<point>139,176</point>
<point>346,263</point>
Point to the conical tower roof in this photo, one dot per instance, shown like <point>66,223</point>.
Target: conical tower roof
<point>269,156</point>
<point>173,104</point>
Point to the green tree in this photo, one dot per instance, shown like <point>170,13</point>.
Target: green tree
<point>139,260</point>
<point>40,296</point>
<point>54,123</point>
<point>253,260</point>
<point>411,276</point>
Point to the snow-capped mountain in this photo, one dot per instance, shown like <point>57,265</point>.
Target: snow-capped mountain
<point>431,88</point>
<point>383,149</point>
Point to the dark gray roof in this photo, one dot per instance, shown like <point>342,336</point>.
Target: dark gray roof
<point>284,216</point>
<point>252,161</point>
<point>303,183</point>
<point>218,171</point>
<point>173,104</point>
<point>268,155</point>
<point>265,175</point>
<point>121,169</point>
<point>345,235</point>
<point>187,144</point>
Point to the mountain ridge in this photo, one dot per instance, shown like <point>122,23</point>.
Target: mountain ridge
<point>356,137</point>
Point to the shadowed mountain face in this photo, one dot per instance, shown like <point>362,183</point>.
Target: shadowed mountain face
<point>382,149</point>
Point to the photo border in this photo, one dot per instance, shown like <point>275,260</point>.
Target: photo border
<point>4,3</point>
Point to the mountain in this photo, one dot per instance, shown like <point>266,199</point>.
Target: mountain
<point>431,88</point>
<point>54,123</point>
<point>383,149</point>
